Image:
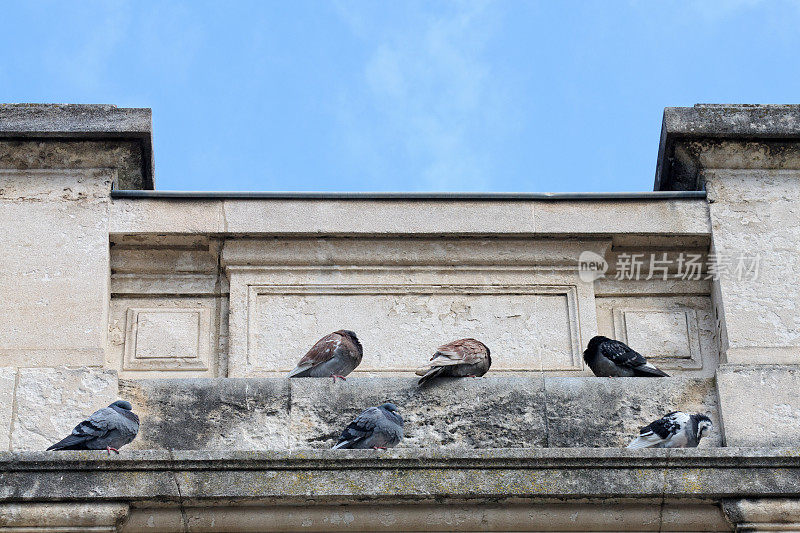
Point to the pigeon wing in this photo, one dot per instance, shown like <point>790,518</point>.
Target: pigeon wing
<point>460,352</point>
<point>621,354</point>
<point>98,425</point>
<point>360,428</point>
<point>322,351</point>
<point>660,431</point>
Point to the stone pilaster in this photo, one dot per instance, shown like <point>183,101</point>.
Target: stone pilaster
<point>58,165</point>
<point>747,158</point>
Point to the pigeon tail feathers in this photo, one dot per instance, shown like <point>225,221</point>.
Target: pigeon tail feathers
<point>72,442</point>
<point>649,370</point>
<point>646,441</point>
<point>432,373</point>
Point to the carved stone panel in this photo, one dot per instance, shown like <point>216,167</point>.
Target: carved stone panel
<point>157,337</point>
<point>167,339</point>
<point>676,333</point>
<point>530,327</point>
<point>670,336</point>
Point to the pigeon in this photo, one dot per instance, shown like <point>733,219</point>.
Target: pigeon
<point>674,430</point>
<point>107,429</point>
<point>334,355</point>
<point>614,359</point>
<point>464,357</point>
<point>377,428</point>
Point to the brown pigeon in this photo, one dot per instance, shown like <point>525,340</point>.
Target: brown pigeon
<point>334,355</point>
<point>464,357</point>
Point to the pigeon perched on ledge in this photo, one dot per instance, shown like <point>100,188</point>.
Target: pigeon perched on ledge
<point>461,358</point>
<point>674,430</point>
<point>614,359</point>
<point>109,428</point>
<point>333,356</point>
<point>377,428</point>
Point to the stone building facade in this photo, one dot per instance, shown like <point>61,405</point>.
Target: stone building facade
<point>194,306</point>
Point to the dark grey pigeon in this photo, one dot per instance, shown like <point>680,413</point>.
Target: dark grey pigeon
<point>333,356</point>
<point>614,359</point>
<point>377,428</point>
<point>108,429</point>
<point>673,430</point>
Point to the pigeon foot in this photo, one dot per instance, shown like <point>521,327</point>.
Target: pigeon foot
<point>335,376</point>
<point>471,376</point>
<point>109,449</point>
<point>379,448</point>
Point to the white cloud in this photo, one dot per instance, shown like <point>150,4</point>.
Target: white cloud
<point>426,93</point>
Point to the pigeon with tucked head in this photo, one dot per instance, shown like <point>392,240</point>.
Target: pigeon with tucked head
<point>109,428</point>
<point>333,356</point>
<point>377,428</point>
<point>461,358</point>
<point>614,359</point>
<point>673,430</point>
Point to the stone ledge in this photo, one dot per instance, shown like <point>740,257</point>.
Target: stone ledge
<point>331,216</point>
<point>770,129</point>
<point>349,476</point>
<point>70,122</point>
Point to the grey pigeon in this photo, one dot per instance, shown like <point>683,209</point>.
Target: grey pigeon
<point>461,358</point>
<point>107,429</point>
<point>334,356</point>
<point>377,428</point>
<point>615,359</point>
<point>674,430</point>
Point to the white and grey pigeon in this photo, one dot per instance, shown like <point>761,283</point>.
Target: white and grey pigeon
<point>377,428</point>
<point>674,430</point>
<point>614,359</point>
<point>108,429</point>
<point>333,356</point>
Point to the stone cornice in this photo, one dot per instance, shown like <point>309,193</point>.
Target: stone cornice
<point>405,474</point>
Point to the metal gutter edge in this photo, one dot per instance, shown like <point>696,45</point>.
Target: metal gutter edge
<point>408,196</point>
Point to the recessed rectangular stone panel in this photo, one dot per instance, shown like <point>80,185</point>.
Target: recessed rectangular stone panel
<point>527,327</point>
<point>167,339</point>
<point>668,337</point>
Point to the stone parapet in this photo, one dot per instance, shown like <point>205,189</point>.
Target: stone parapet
<point>488,412</point>
<point>211,481</point>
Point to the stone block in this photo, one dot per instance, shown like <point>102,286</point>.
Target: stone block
<point>759,405</point>
<point>8,377</point>
<point>55,136</point>
<point>488,412</point>
<point>191,414</point>
<point>608,412</point>
<point>55,268</point>
<point>148,216</point>
<point>95,516</point>
<point>51,401</point>
<point>753,216</point>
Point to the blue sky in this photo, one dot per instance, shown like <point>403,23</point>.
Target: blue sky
<point>403,96</point>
